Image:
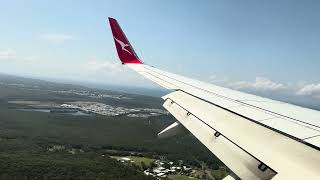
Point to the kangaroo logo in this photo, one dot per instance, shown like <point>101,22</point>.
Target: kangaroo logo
<point>123,45</point>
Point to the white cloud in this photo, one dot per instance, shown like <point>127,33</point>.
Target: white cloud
<point>94,70</point>
<point>217,80</point>
<point>11,54</point>
<point>265,86</point>
<point>8,54</point>
<point>260,84</point>
<point>310,89</point>
<point>29,60</point>
<point>103,66</point>
<point>56,37</point>
<point>213,77</point>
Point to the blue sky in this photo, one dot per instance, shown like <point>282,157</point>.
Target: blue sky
<point>274,43</point>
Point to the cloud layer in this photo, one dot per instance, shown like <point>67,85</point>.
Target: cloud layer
<point>108,71</point>
<point>8,54</point>
<point>310,89</point>
<point>262,85</point>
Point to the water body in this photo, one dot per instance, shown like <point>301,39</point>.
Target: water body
<point>36,110</point>
<point>79,113</point>
<point>73,112</point>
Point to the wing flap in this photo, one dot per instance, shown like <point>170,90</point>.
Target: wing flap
<point>264,145</point>
<point>173,130</point>
<point>240,162</point>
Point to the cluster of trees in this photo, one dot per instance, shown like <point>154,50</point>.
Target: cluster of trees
<point>64,166</point>
<point>26,136</point>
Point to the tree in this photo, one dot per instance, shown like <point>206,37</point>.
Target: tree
<point>143,166</point>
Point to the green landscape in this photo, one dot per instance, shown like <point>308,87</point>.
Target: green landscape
<point>47,145</point>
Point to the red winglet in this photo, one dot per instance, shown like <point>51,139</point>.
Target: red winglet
<point>124,48</point>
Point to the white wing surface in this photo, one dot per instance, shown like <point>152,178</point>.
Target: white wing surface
<point>256,137</point>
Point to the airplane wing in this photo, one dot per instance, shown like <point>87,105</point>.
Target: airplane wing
<point>256,137</point>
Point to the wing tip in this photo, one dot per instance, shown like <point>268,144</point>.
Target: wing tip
<point>111,19</point>
<point>126,55</point>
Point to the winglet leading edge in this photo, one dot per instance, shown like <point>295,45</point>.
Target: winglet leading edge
<point>123,46</point>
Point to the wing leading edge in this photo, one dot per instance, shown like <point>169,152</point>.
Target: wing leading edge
<point>256,137</point>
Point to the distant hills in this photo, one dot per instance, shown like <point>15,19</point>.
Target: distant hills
<point>67,85</point>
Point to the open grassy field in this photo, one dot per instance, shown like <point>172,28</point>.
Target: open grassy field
<point>136,160</point>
